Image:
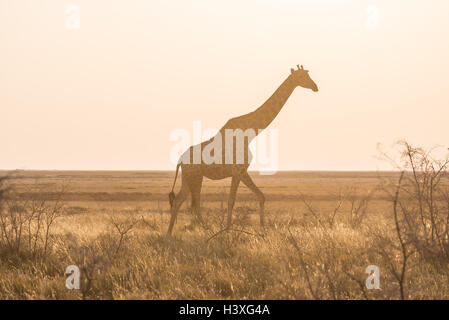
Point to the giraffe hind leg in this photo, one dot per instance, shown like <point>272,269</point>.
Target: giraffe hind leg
<point>231,201</point>
<point>176,204</point>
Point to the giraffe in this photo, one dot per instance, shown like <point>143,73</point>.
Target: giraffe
<point>227,164</point>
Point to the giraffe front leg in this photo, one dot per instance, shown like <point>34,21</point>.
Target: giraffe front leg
<point>232,194</point>
<point>246,179</point>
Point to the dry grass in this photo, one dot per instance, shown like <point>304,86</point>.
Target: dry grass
<point>323,230</point>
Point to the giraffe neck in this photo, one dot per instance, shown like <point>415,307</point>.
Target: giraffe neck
<point>270,109</point>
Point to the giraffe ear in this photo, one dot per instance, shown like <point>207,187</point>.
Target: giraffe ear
<point>292,70</point>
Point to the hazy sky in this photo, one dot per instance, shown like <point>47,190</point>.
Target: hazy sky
<point>109,94</point>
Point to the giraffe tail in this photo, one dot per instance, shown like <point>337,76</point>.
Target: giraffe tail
<point>171,195</point>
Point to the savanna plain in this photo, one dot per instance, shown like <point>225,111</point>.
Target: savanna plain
<point>323,229</point>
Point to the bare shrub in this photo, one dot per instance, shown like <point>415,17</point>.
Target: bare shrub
<point>420,212</point>
<point>26,223</point>
<point>122,228</point>
<point>358,206</point>
<point>320,218</point>
<point>328,269</point>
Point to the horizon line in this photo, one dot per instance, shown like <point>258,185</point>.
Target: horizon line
<point>162,170</point>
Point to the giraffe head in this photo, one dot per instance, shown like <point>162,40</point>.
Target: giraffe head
<point>302,78</point>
